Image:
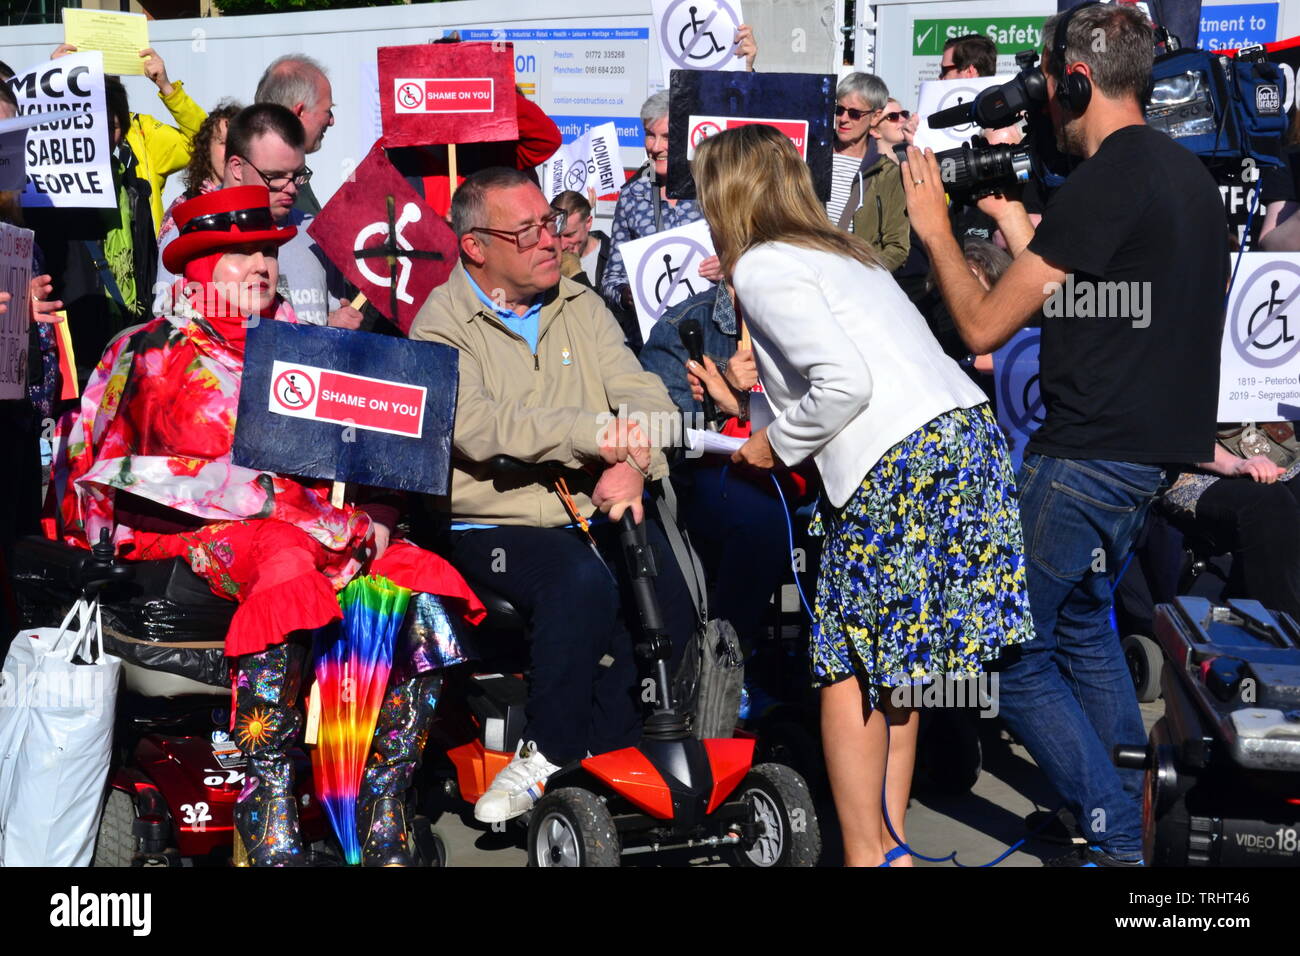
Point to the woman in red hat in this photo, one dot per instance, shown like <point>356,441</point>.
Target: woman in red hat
<point>149,458</point>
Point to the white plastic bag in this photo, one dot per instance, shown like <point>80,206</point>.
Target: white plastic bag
<point>56,735</point>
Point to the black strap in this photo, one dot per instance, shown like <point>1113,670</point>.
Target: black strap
<point>687,559</point>
<point>96,249</point>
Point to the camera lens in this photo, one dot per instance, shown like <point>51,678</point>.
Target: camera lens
<point>983,169</point>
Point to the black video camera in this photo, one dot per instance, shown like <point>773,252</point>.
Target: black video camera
<point>978,169</point>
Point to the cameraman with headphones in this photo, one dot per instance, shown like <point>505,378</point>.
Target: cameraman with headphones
<point>1127,390</point>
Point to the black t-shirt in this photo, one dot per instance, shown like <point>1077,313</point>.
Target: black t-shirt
<point>1130,348</point>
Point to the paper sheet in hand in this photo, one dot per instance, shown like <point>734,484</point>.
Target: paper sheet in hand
<point>120,36</point>
<point>713,441</point>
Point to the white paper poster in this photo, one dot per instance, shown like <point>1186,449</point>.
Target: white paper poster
<point>68,160</point>
<point>697,34</point>
<point>15,278</point>
<point>664,269</point>
<point>1260,366</point>
<point>590,162</point>
<point>939,95</point>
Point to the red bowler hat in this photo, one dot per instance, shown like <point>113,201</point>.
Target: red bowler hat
<point>223,219</point>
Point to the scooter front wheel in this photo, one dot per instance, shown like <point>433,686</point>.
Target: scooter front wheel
<point>572,827</point>
<point>788,834</point>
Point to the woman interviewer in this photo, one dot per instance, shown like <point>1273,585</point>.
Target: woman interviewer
<point>922,575</point>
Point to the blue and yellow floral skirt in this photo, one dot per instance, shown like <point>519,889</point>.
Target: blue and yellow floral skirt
<point>923,570</point>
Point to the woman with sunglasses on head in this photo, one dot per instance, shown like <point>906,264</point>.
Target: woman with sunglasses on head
<point>922,573</point>
<point>148,458</point>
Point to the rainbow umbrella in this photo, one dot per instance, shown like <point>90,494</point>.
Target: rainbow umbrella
<point>352,668</point>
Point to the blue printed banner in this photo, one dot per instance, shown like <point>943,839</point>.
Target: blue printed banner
<point>588,33</point>
<point>1232,26</point>
<point>630,132</point>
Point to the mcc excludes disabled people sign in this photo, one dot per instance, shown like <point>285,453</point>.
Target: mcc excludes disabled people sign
<point>347,406</point>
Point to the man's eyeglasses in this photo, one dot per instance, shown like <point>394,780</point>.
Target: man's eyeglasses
<point>301,178</point>
<point>945,69</point>
<point>895,116</point>
<point>529,236</point>
<point>854,115</point>
<point>246,220</point>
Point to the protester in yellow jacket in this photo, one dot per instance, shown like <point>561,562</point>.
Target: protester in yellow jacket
<point>160,150</point>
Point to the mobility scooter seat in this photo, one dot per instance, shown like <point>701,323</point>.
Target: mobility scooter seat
<point>501,614</point>
<point>164,622</point>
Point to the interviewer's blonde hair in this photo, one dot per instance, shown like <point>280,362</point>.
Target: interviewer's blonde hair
<point>754,188</point>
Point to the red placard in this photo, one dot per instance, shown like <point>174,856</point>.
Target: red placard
<point>356,219</point>
<point>447,93</point>
<point>702,127</point>
<point>324,395</point>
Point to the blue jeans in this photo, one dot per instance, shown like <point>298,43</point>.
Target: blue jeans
<point>1067,695</point>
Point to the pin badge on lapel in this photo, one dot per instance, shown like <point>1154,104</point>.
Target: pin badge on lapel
<point>565,358</point>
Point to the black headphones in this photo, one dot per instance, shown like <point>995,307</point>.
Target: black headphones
<point>1074,90</point>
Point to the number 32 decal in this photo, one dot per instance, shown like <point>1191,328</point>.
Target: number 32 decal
<point>195,815</point>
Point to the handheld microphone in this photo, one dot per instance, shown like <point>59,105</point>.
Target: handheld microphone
<point>693,339</point>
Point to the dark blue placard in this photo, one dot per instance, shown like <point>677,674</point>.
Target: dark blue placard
<point>792,96</point>
<point>1020,403</point>
<point>313,449</point>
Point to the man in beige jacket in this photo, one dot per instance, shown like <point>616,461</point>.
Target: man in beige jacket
<point>545,376</point>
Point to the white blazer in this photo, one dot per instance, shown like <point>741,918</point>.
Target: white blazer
<point>847,362</point>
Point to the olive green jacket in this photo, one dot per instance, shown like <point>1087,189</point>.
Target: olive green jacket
<point>878,207</point>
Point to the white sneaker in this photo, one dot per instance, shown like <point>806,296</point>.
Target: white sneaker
<point>517,787</point>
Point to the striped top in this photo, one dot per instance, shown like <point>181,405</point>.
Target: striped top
<point>843,172</point>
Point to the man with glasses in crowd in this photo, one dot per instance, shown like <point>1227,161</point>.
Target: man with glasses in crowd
<point>545,376</point>
<point>299,84</point>
<point>968,56</point>
<point>265,147</point>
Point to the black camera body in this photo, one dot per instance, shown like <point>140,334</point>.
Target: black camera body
<point>978,169</point>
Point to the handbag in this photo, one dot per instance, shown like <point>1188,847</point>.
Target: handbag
<point>58,694</point>
<point>709,679</point>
